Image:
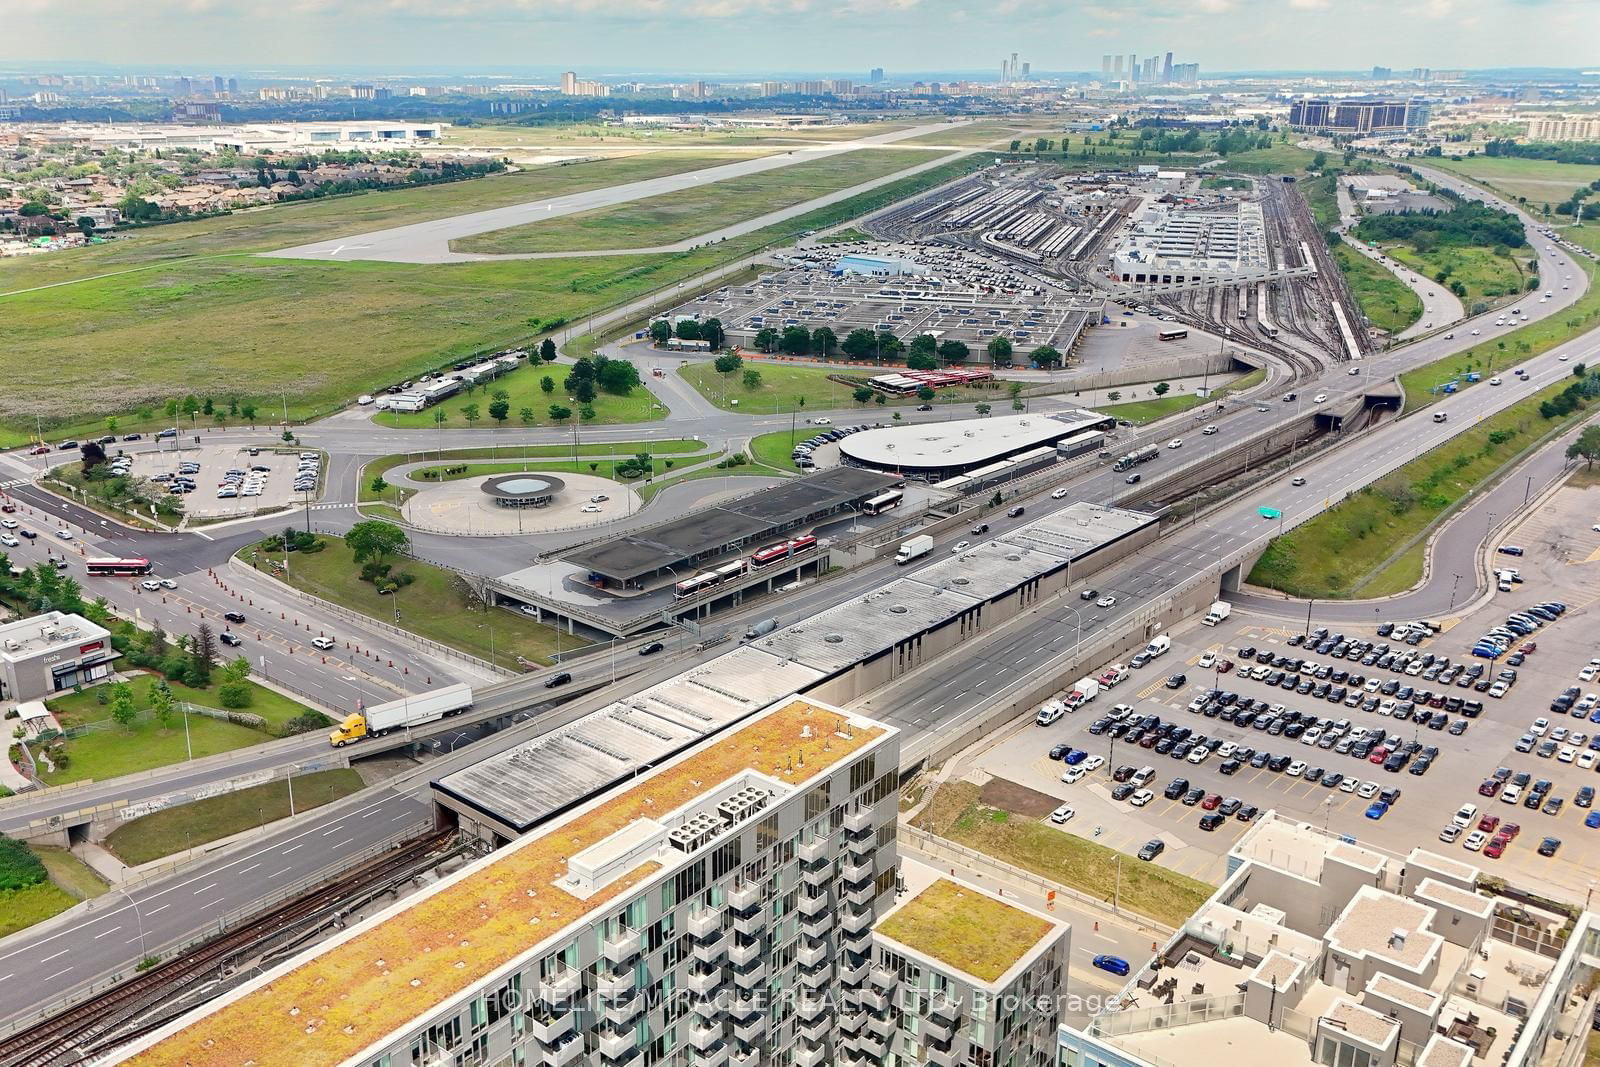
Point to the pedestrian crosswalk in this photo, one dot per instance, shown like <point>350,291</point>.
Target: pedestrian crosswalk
<point>325,507</point>
<point>13,483</point>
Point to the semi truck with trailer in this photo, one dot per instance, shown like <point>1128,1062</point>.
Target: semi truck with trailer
<point>920,545</point>
<point>400,714</point>
<point>1133,459</point>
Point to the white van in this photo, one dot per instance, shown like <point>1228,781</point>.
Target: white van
<point>1050,712</point>
<point>1143,776</point>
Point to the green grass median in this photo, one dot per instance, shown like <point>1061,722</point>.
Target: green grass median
<point>1387,302</point>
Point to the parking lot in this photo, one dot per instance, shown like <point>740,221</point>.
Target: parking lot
<point>1560,563</point>
<point>261,479</point>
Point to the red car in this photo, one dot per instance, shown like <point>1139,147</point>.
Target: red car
<point>1211,801</point>
<point>1496,847</point>
<point>1509,830</point>
<point>1224,666</point>
<point>39,450</point>
<point>1379,754</point>
<point>1489,788</point>
<point>1530,648</point>
<point>1489,823</point>
<point>8,508</point>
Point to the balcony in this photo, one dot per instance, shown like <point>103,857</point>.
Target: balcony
<point>945,1008</point>
<point>818,875</point>
<point>744,1010</point>
<point>703,1035</point>
<point>561,988</point>
<point>872,1044</point>
<point>853,973</point>
<point>615,986</point>
<point>620,1013</point>
<point>750,1030</point>
<point>706,922</point>
<point>751,977</point>
<point>855,922</point>
<point>711,950</point>
<point>861,896</point>
<point>814,1030</point>
<point>936,1030</point>
<point>622,947</point>
<point>814,977</point>
<point>860,845</point>
<point>816,925</point>
<point>752,924</point>
<point>550,1029</point>
<point>811,1008</point>
<point>857,872</point>
<point>813,905</point>
<point>871,998</point>
<point>715,1056</point>
<point>745,1057</point>
<point>881,1025</point>
<point>632,1058</point>
<point>743,952</point>
<point>566,1052</point>
<point>812,953</point>
<point>615,1045</point>
<point>704,983</point>
<point>745,896</point>
<point>859,821</point>
<point>815,850</point>
<point>852,1021</point>
<point>811,1055</point>
<point>948,1056</point>
<point>884,979</point>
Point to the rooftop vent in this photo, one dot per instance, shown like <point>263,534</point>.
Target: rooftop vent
<point>961,581</point>
<point>1397,937</point>
<point>833,639</point>
<point>898,609</point>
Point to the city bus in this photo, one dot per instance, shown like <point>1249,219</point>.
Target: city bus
<point>1175,334</point>
<point>117,567</point>
<point>883,502</point>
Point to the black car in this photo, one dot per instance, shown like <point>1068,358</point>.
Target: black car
<point>1152,848</point>
<point>558,679</point>
<point>1176,788</point>
<point>1230,767</point>
<point>233,616</point>
<point>1278,763</point>
<point>27,534</point>
<point>232,640</point>
<point>1124,791</point>
<point>1176,681</point>
<point>652,648</point>
<point>1260,759</point>
<point>981,528</point>
<point>133,437</point>
<point>1211,820</point>
<point>924,407</point>
<point>1015,512</point>
<point>1193,797</point>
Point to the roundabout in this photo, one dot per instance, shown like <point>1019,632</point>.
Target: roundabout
<point>522,502</point>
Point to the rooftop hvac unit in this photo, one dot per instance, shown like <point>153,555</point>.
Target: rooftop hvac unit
<point>742,804</point>
<point>695,831</point>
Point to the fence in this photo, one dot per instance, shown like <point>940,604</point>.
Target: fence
<point>1165,1016</point>
<point>117,899</point>
<point>1529,936</point>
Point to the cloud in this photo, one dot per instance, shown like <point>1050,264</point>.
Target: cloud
<point>1310,5</point>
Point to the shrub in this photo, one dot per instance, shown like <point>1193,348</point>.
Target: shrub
<point>19,867</point>
<point>235,694</point>
<point>306,722</point>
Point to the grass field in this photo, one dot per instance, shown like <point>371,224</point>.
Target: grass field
<point>1140,412</point>
<point>437,605</point>
<point>162,833</point>
<point>957,813</point>
<point>696,209</point>
<point>523,453</point>
<point>1487,276</point>
<point>107,753</point>
<point>116,344</point>
<point>1507,349</point>
<point>21,908</point>
<point>980,134</point>
<point>1345,551</point>
<point>774,449</point>
<point>1386,302</point>
<point>595,135</point>
<point>69,872</point>
<point>785,387</point>
<point>1540,181</point>
<point>1323,200</point>
<point>525,386</point>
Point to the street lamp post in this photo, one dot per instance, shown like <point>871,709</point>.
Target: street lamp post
<point>139,918</point>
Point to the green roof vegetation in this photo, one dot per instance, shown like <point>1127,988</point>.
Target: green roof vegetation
<point>966,929</point>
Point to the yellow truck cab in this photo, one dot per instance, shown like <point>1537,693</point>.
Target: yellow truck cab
<point>354,728</point>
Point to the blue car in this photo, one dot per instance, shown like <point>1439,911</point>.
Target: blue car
<point>1075,757</point>
<point>1592,820</point>
<point>1115,964</point>
<point>1377,809</point>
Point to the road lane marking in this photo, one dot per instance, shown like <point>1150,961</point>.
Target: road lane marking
<point>343,843</point>
<point>276,873</point>
<point>291,848</point>
<point>163,907</point>
<point>250,868</point>
<point>58,955</point>
<point>203,888</point>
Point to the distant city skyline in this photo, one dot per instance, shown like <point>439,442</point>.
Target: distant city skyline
<point>755,37</point>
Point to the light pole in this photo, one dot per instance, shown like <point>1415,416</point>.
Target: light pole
<point>139,918</point>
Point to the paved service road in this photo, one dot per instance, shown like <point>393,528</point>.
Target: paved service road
<point>429,242</point>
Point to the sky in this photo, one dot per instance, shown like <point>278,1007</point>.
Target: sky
<point>753,37</point>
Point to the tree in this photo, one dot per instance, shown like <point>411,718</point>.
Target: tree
<point>926,394</point>
<point>379,486</point>
<point>1161,389</point>
<point>796,340</point>
<point>586,413</point>
<point>374,541</point>
<point>191,405</point>
<point>203,654</point>
<point>688,330</point>
<point>999,349</point>
<point>660,332</point>
<point>499,411</point>
<point>547,350</point>
<point>1586,447</point>
<point>982,409</point>
<point>1114,396</point>
<point>712,333</point>
<point>111,424</point>
<point>123,709</point>
<point>560,413</point>
<point>954,351</point>
<point>924,343</point>
<point>163,704</point>
<point>470,413</point>
<point>618,376</point>
<point>85,225</point>
<point>527,416</point>
<point>862,394</point>
<point>921,361</point>
<point>860,344</point>
<point>824,341</point>
<point>766,339</point>
<point>752,379</point>
<point>1047,356</point>
<point>728,362</point>
<point>547,385</point>
<point>247,412</point>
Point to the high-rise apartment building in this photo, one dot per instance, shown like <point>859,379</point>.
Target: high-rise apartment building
<point>773,88</point>
<point>1105,67</point>
<point>1166,69</point>
<point>1359,116</point>
<point>1027,71</point>
<point>1381,74</point>
<point>841,86</point>
<point>876,76</point>
<point>1564,128</point>
<point>569,83</point>
<point>363,92</point>
<point>1133,67</point>
<point>716,909</point>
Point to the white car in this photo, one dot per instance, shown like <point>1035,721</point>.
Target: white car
<point>1199,755</point>
<point>1540,725</point>
<point>1141,798</point>
<point>599,498</point>
<point>1093,763</point>
<point>1372,686</point>
<point>1105,602</point>
<point>960,546</point>
<point>1176,442</point>
<point>1348,785</point>
<point>1588,674</point>
<point>1226,749</point>
<point>9,541</point>
<point>150,585</point>
<point>1319,398</point>
<point>1295,769</point>
<point>64,534</point>
<point>1367,790</point>
<point>1567,754</point>
<point>323,643</point>
<point>1208,431</point>
<point>1062,814</point>
<point>364,399</point>
<point>1586,759</point>
<point>1475,333</point>
<point>1059,493</point>
<point>1475,841</point>
<point>1387,707</point>
<point>591,509</point>
<point>1496,380</point>
<point>1207,659</point>
<point>10,524</point>
<point>1072,775</point>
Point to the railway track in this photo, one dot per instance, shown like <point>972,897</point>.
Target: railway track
<point>133,1008</point>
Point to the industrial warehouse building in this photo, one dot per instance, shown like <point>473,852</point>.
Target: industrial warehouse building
<point>877,266</point>
<point>938,451</point>
<point>1359,116</point>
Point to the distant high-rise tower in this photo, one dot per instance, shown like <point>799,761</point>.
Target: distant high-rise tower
<point>1013,66</point>
<point>233,86</point>
<point>1381,74</point>
<point>1133,67</point>
<point>1116,67</point>
<point>1105,67</point>
<point>1027,69</point>
<point>569,83</point>
<point>876,76</point>
<point>1166,69</point>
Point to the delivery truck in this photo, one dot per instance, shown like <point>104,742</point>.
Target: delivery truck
<point>399,714</point>
<point>1083,691</point>
<point>1112,675</point>
<point>1219,611</point>
<point>920,545</point>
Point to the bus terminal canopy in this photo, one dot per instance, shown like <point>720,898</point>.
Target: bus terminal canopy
<point>687,541</point>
